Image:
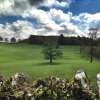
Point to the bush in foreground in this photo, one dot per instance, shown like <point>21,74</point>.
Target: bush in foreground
<point>20,87</point>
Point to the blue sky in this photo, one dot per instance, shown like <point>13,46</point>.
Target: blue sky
<point>21,18</point>
<point>89,6</point>
<point>81,6</point>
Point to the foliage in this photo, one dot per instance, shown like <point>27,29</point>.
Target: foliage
<point>51,88</point>
<point>51,50</point>
<point>51,53</point>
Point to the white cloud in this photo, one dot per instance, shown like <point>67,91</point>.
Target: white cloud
<point>91,17</point>
<point>57,3</point>
<point>64,3</point>
<point>49,2</point>
<point>85,21</point>
<point>19,7</point>
<point>46,25</point>
<point>19,30</point>
<point>58,14</point>
<point>53,22</point>
<point>44,19</point>
<point>5,5</point>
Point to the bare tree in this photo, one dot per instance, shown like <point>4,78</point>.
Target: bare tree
<point>93,36</point>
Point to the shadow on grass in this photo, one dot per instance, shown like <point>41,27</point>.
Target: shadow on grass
<point>47,63</point>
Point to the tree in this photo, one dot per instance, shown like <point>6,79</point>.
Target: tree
<point>1,39</point>
<point>13,40</point>
<point>50,51</point>
<point>83,42</point>
<point>80,43</point>
<point>61,39</point>
<point>92,36</point>
<point>6,40</point>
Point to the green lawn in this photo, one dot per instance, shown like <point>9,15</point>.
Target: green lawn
<point>29,59</point>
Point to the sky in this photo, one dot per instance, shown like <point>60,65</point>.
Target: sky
<point>22,18</point>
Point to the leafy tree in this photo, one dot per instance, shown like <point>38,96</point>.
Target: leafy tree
<point>13,40</point>
<point>50,51</point>
<point>1,38</point>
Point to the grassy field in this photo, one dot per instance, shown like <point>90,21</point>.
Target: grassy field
<point>29,59</point>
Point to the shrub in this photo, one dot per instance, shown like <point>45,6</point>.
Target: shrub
<point>51,88</point>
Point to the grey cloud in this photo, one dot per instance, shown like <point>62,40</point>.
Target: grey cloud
<point>35,2</point>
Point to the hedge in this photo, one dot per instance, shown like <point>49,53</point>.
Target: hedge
<point>21,87</point>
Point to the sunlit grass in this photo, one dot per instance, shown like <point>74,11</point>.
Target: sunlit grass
<point>29,59</point>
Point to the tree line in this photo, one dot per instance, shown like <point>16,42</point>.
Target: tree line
<point>51,44</point>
